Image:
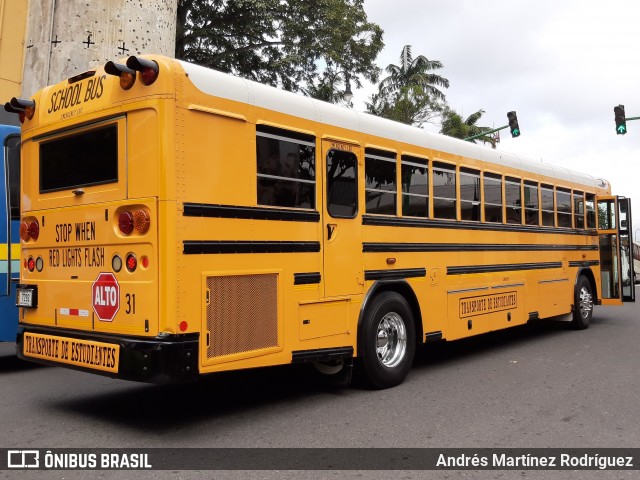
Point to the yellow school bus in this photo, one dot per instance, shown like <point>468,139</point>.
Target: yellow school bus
<point>178,221</point>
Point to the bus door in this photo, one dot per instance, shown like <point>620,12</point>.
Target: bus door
<point>626,250</point>
<point>616,261</point>
<point>342,228</point>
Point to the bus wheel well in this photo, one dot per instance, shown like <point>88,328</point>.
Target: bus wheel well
<point>402,288</point>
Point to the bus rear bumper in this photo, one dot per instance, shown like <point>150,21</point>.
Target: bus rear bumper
<point>162,359</point>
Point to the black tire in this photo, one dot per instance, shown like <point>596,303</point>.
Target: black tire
<point>583,304</point>
<point>387,341</point>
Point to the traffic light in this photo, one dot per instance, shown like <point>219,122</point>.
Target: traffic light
<point>621,120</point>
<point>513,124</point>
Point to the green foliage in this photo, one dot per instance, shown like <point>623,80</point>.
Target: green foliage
<point>293,44</point>
<point>410,105</point>
<point>454,126</point>
<point>410,93</point>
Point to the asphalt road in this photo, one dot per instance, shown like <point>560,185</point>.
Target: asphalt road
<point>541,385</point>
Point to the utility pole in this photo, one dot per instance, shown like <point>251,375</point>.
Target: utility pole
<point>65,38</point>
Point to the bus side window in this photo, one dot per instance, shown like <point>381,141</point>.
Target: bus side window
<point>444,191</point>
<point>469,194</point>
<point>380,182</point>
<point>286,165</point>
<point>492,198</point>
<point>531,204</point>
<point>415,186</point>
<point>590,204</point>
<point>578,209</point>
<point>563,205</point>
<point>513,200</point>
<point>548,205</point>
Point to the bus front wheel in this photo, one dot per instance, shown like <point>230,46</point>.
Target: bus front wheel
<point>583,304</point>
<point>387,341</point>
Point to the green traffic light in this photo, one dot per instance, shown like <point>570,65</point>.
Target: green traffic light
<point>620,118</point>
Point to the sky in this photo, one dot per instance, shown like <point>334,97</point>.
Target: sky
<point>562,65</point>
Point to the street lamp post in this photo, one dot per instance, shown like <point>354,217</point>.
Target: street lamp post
<point>348,94</point>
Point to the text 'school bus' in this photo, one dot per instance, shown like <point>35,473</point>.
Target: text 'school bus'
<point>9,231</point>
<point>178,221</point>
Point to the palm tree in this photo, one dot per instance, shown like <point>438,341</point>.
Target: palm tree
<point>414,72</point>
<point>454,126</point>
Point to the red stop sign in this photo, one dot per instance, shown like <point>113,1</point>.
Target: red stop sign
<point>105,293</point>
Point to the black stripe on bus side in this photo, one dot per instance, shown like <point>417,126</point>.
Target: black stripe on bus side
<point>306,278</point>
<point>394,274</point>
<point>253,213</point>
<point>585,263</point>
<point>197,246</point>
<point>468,247</point>
<point>462,225</point>
<point>460,270</point>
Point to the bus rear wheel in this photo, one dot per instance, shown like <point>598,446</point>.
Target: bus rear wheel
<point>583,304</point>
<point>387,341</point>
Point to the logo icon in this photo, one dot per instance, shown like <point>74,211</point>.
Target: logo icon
<point>23,459</point>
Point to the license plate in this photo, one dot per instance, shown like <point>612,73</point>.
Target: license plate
<point>72,351</point>
<point>24,297</point>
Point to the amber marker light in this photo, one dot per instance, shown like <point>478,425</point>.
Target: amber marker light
<point>24,231</point>
<point>141,221</point>
<point>127,75</point>
<point>29,230</point>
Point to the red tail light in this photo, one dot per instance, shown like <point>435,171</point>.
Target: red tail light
<point>148,76</point>
<point>34,230</point>
<point>125,222</point>
<point>31,264</point>
<point>134,220</point>
<point>132,262</point>
<point>149,69</point>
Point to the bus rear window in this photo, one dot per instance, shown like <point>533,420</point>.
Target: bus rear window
<point>81,160</point>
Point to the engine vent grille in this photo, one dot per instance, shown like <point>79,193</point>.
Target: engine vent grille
<point>242,315</point>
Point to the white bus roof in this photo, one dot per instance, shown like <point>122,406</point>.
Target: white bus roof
<point>227,86</point>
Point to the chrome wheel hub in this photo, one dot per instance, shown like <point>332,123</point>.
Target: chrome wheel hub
<point>586,302</point>
<point>391,343</point>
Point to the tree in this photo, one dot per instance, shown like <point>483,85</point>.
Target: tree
<point>410,93</point>
<point>415,72</point>
<point>410,105</point>
<point>454,126</point>
<point>285,43</point>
